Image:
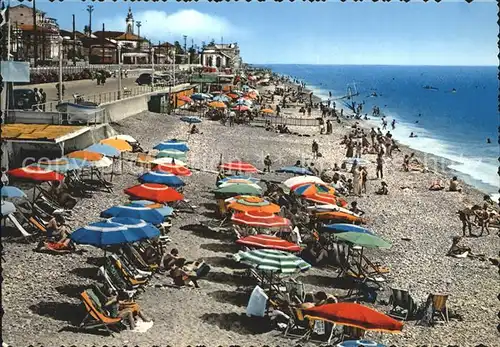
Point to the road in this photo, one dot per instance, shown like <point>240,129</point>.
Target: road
<point>83,87</point>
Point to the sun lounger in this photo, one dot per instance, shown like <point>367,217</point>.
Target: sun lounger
<point>115,284</point>
<point>403,306</point>
<point>120,275</point>
<point>339,256</point>
<point>128,272</point>
<point>127,263</point>
<point>96,317</point>
<point>19,227</point>
<point>135,257</point>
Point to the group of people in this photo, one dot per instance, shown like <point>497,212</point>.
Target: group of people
<point>40,99</point>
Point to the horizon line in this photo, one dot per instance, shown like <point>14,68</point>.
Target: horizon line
<point>368,64</point>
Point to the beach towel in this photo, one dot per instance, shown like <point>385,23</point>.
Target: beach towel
<point>257,303</point>
<point>142,326</point>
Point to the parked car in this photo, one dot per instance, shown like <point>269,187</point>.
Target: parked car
<point>145,79</point>
<point>23,99</point>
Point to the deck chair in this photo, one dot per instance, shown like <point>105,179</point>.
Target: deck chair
<point>126,262</point>
<point>339,256</point>
<point>295,290</point>
<point>403,306</point>
<point>96,317</point>
<point>117,271</point>
<point>127,273</point>
<point>439,306</point>
<point>296,323</point>
<point>114,283</point>
<point>19,227</point>
<point>135,258</point>
<point>352,333</point>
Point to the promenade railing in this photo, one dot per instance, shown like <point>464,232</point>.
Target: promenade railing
<point>286,121</point>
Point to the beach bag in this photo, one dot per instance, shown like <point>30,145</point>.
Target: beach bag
<point>257,303</point>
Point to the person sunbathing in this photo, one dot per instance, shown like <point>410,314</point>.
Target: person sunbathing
<point>322,299</point>
<point>459,250</point>
<point>436,185</point>
<point>383,189</point>
<point>354,208</point>
<point>124,309</point>
<point>181,277</point>
<point>59,190</point>
<point>454,186</point>
<point>194,130</point>
<point>314,254</point>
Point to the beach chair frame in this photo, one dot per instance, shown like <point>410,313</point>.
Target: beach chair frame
<point>95,319</point>
<point>402,299</point>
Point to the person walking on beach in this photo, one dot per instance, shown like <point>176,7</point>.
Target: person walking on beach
<point>380,163</point>
<point>267,164</point>
<point>350,149</point>
<point>232,115</point>
<point>373,135</point>
<point>43,98</point>
<point>315,149</point>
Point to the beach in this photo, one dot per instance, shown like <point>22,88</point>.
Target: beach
<point>40,291</point>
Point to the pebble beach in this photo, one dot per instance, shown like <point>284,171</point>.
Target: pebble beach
<point>41,291</point>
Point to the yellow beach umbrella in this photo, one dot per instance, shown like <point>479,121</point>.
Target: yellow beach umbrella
<point>217,104</point>
<point>120,145</point>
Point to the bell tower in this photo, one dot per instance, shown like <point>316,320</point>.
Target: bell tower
<point>130,22</point>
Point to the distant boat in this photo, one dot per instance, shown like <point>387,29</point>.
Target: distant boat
<point>430,88</point>
<point>83,112</point>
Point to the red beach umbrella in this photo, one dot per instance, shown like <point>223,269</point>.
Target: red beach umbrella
<point>238,166</point>
<point>185,98</point>
<point>241,108</point>
<point>174,169</point>
<point>36,174</point>
<point>355,315</point>
<point>270,242</point>
<point>154,192</point>
<point>260,219</point>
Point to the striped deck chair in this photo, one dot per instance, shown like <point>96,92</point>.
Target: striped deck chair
<point>339,256</point>
<point>96,317</point>
<point>403,305</point>
<point>439,306</point>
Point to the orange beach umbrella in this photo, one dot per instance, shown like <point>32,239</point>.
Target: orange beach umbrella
<point>119,144</point>
<point>85,155</point>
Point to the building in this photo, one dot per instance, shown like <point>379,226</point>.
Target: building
<point>24,35</point>
<point>221,56</point>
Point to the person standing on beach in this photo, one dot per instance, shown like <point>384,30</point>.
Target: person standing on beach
<point>380,163</point>
<point>364,178</point>
<point>278,110</point>
<point>373,135</point>
<point>358,149</point>
<point>267,163</point>
<point>356,181</point>
<point>315,149</point>
<point>232,115</point>
<point>350,149</point>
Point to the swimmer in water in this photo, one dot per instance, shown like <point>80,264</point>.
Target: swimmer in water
<point>488,140</point>
<point>412,134</point>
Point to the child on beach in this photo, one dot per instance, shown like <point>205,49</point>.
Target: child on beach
<point>383,189</point>
<point>354,208</point>
<point>380,163</point>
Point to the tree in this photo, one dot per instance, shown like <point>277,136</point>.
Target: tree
<point>192,55</point>
<point>212,43</point>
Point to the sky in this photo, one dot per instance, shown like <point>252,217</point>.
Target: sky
<point>416,33</point>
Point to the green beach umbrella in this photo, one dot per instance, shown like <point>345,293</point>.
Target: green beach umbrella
<point>172,153</point>
<point>363,240</point>
<point>270,260</point>
<point>238,189</point>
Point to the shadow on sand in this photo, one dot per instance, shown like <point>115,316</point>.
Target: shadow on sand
<point>239,323</point>
<point>221,247</point>
<point>62,311</point>
<point>235,298</point>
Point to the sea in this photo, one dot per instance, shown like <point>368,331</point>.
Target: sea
<point>453,110</point>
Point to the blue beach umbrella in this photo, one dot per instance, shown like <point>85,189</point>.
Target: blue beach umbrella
<point>200,96</point>
<point>104,149</point>
<point>147,214</point>
<point>102,234</point>
<point>221,98</point>
<point>137,227</point>
<point>162,178</point>
<point>12,192</point>
<point>168,145</point>
<point>190,119</point>
<point>360,343</point>
<point>344,228</point>
<point>165,210</point>
<point>295,170</point>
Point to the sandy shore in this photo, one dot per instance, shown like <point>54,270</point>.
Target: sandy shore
<point>40,291</point>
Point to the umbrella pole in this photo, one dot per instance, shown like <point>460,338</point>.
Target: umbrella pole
<point>121,160</point>
<point>112,170</point>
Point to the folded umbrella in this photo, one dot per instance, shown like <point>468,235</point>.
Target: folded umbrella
<point>161,177</point>
<point>271,260</point>
<point>295,170</point>
<point>355,315</point>
<point>155,192</point>
<point>147,214</point>
<point>269,242</point>
<point>12,192</point>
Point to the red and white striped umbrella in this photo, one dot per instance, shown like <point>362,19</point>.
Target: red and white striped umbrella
<point>173,169</point>
<point>241,108</point>
<point>239,166</point>
<point>154,192</point>
<point>36,174</point>
<point>269,242</point>
<point>260,219</point>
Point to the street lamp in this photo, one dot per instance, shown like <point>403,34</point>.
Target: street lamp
<point>60,39</point>
<point>153,68</point>
<point>119,46</point>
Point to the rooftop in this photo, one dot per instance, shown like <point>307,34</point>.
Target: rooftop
<point>40,132</point>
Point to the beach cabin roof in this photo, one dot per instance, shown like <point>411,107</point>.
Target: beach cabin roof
<point>42,133</point>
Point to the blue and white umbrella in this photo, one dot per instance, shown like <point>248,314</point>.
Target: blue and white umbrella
<point>200,96</point>
<point>172,144</point>
<point>104,149</point>
<point>7,208</point>
<point>104,233</point>
<point>190,119</point>
<point>345,228</point>
<point>360,343</point>
<point>137,226</point>
<point>221,98</point>
<point>165,210</point>
<point>149,215</point>
<point>162,178</point>
<point>12,192</point>
<point>295,170</point>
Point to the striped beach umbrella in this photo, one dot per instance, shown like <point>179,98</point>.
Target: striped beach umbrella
<point>270,260</point>
<point>259,219</point>
<point>168,160</point>
<point>269,242</point>
<point>172,153</point>
<point>238,166</point>
<point>177,170</point>
<point>247,204</point>
<point>321,198</point>
<point>147,214</point>
<point>313,188</point>
<point>239,179</point>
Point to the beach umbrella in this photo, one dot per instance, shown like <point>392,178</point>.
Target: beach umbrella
<point>363,239</point>
<point>228,183</point>
<point>321,198</point>
<point>172,144</point>
<point>104,149</point>
<point>138,227</point>
<point>127,138</point>
<point>343,228</point>
<point>222,98</point>
<point>7,208</point>
<point>239,179</point>
<point>240,108</point>
<point>161,208</point>
<point>312,188</point>
<point>217,104</point>
<point>253,203</point>
<point>268,242</point>
<point>358,161</point>
<point>330,208</point>
<point>177,170</point>
<point>338,216</point>
<point>233,95</point>
<point>185,98</point>
<point>85,155</point>
<point>271,260</point>
<point>147,214</point>
<point>168,160</point>
<point>259,219</point>
<point>171,153</point>
<point>238,189</point>
<point>61,165</point>
<point>35,174</point>
<point>299,180</point>
<point>105,233</point>
<point>360,343</point>
<point>238,166</point>
<point>354,315</point>
<point>244,102</point>
<point>296,170</point>
<point>236,180</point>
<point>267,110</point>
<point>121,145</point>
<point>200,96</point>
<point>12,192</point>
<point>104,162</point>
<point>154,192</point>
<point>190,119</point>
<point>251,199</point>
<point>161,177</point>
